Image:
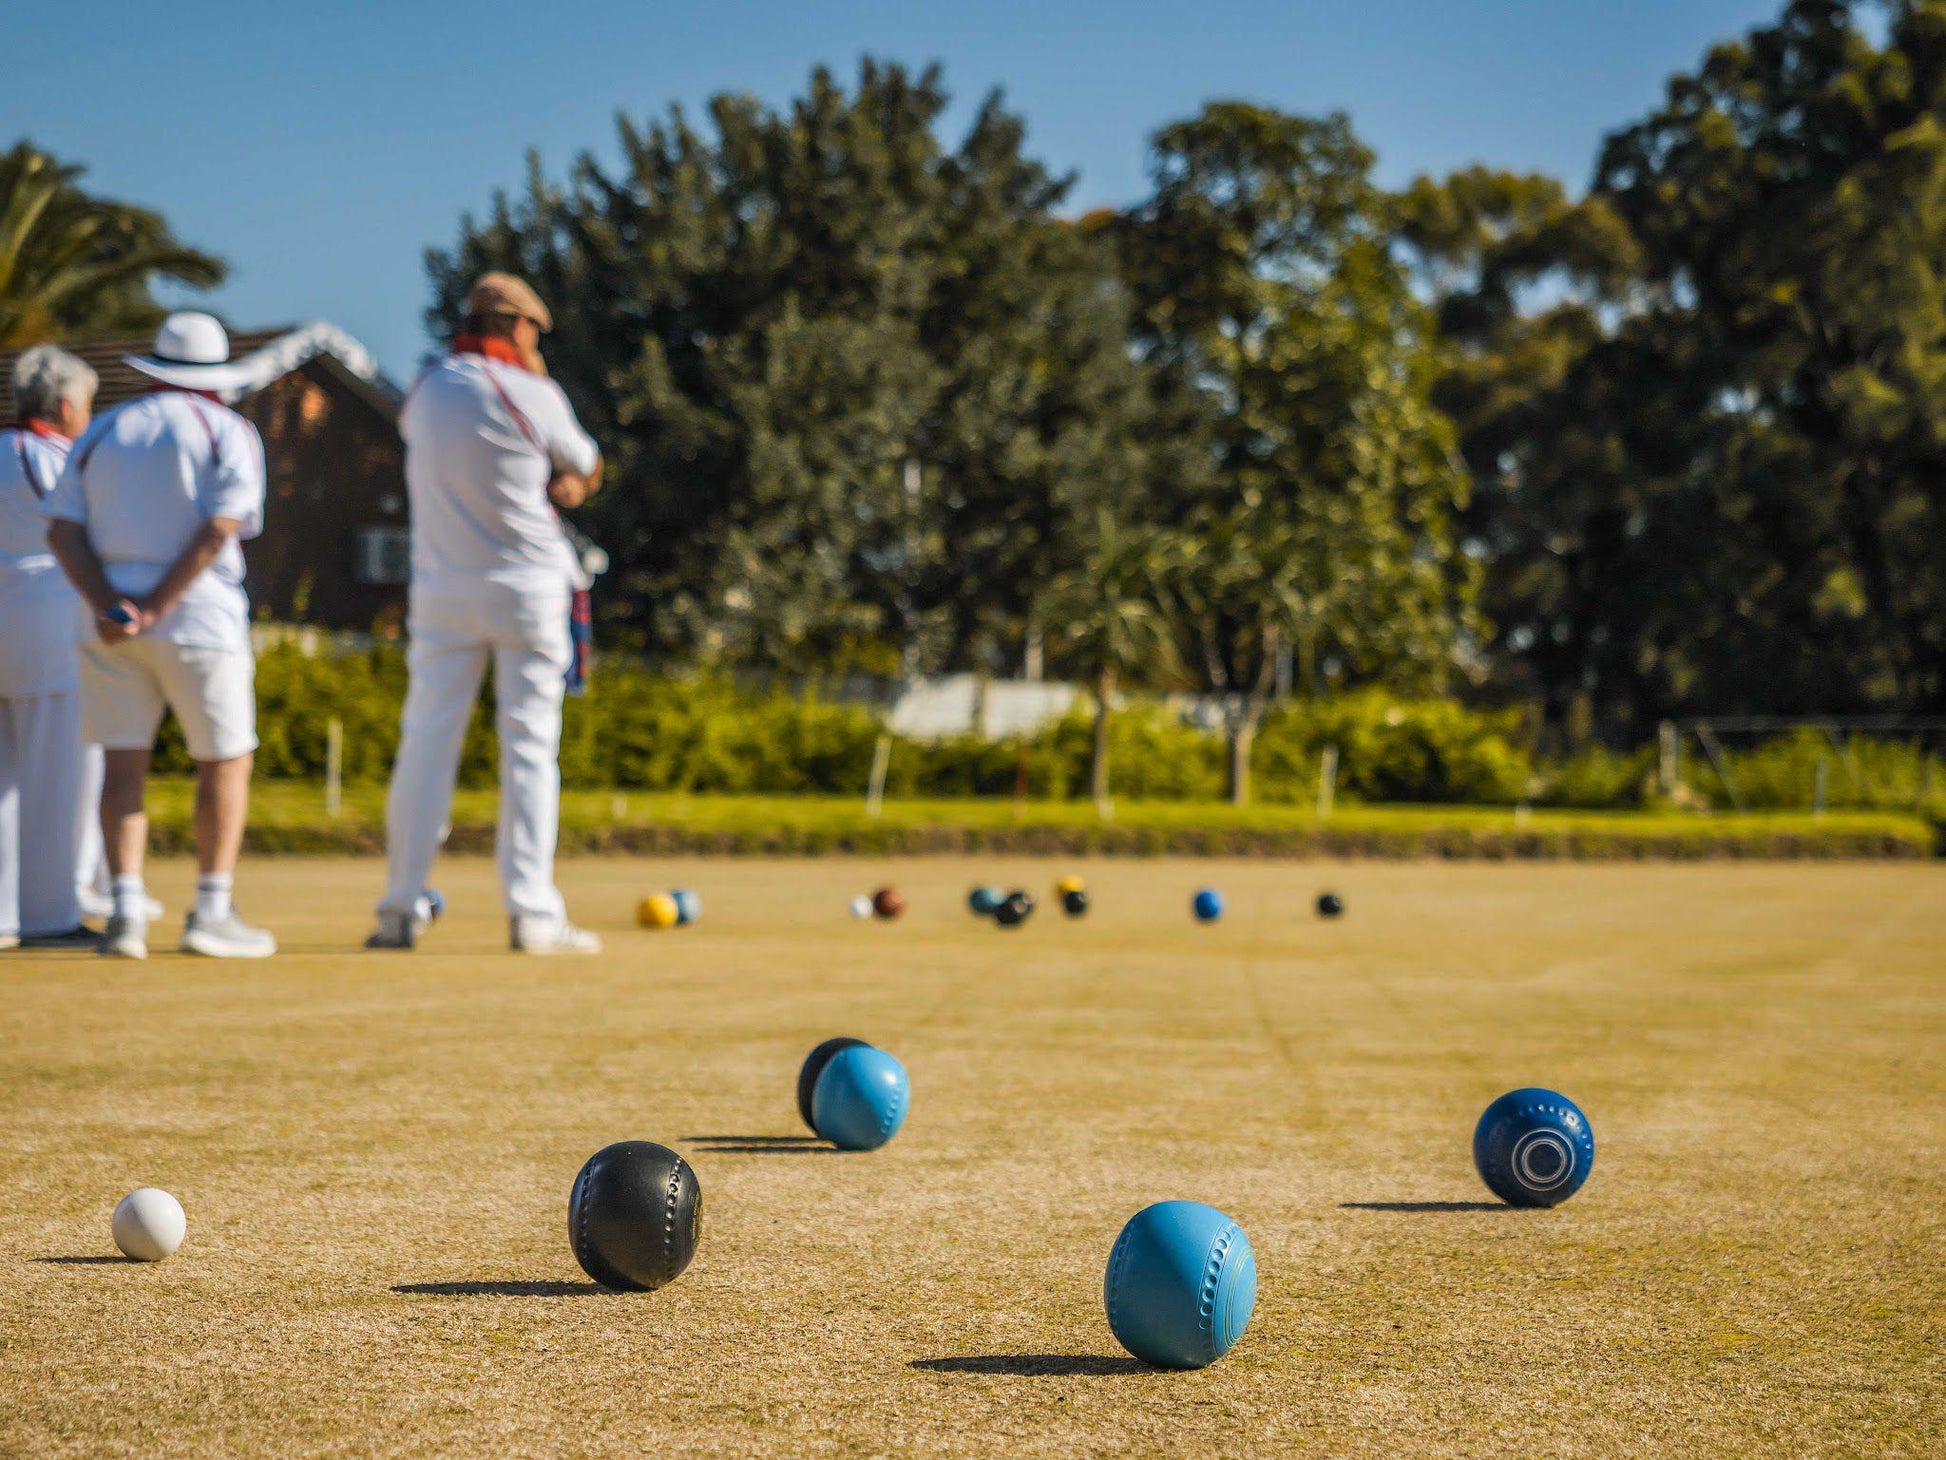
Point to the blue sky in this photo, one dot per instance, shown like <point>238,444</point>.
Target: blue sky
<point>321,149</point>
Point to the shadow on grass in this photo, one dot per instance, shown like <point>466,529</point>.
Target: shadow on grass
<point>83,1261</point>
<point>1423,1206</point>
<point>1036,1366</point>
<point>762,1145</point>
<point>520,1288</point>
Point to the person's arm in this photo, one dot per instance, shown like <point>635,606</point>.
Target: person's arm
<point>569,489</point>
<point>68,541</point>
<point>203,548</point>
<point>575,457</point>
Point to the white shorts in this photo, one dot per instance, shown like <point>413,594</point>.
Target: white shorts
<point>213,692</point>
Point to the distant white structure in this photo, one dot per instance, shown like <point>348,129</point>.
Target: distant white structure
<point>967,704</point>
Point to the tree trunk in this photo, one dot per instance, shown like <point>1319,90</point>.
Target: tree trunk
<point>1249,714</point>
<point>1098,767</point>
<point>1243,735</point>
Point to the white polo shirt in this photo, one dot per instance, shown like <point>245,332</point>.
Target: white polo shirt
<point>42,618</point>
<point>143,480</point>
<point>482,441</point>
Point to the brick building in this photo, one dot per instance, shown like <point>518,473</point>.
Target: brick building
<point>334,547</point>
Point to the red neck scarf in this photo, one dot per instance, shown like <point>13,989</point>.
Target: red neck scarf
<point>208,395</point>
<point>494,348</point>
<point>38,427</point>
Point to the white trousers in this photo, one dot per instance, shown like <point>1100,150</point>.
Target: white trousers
<point>91,873</point>
<point>454,634</point>
<point>41,813</point>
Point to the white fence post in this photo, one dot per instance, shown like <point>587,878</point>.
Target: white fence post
<point>334,766</point>
<point>1327,780</point>
<point>881,761</point>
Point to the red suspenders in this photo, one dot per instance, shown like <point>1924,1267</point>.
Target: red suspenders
<point>93,438</point>
<point>521,423</point>
<point>27,467</point>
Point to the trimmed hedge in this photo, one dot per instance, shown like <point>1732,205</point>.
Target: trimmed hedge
<point>641,732</point>
<point>289,817</point>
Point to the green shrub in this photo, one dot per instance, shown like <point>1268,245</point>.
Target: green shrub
<point>701,733</point>
<point>1599,779</point>
<point>1391,750</point>
<point>1862,773</point>
<point>1152,756</point>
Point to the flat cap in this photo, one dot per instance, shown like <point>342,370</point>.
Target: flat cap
<point>498,293</point>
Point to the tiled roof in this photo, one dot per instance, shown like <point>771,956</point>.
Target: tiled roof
<point>275,352</point>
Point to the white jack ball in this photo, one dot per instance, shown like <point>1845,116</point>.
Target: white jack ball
<point>861,906</point>
<point>149,1224</point>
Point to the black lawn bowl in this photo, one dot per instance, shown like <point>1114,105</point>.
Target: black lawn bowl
<point>635,1216</point>
<point>1014,910</point>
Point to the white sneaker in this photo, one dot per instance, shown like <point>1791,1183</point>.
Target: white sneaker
<point>102,905</point>
<point>396,931</point>
<point>125,938</point>
<point>550,935</point>
<point>9,940</point>
<point>229,937</point>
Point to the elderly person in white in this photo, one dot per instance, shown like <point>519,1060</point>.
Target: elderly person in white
<point>146,520</point>
<point>492,449</point>
<point>42,621</point>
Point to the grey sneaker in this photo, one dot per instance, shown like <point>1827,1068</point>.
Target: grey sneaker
<point>396,930</point>
<point>229,937</point>
<point>550,935</point>
<point>125,938</point>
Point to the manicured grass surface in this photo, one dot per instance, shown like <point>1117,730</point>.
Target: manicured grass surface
<point>290,817</point>
<point>375,1153</point>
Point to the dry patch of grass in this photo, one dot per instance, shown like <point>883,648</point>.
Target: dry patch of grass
<point>375,1155</point>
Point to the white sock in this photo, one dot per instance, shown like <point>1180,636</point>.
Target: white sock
<point>213,896</point>
<point>131,899</point>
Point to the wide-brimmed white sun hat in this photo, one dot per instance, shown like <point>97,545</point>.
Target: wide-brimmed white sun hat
<point>192,351</point>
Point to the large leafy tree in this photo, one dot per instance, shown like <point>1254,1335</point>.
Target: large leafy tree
<point>74,264</point>
<point>862,391</point>
<point>1708,403</point>
<point>1790,203</point>
<point>1525,283</point>
<point>1266,282</point>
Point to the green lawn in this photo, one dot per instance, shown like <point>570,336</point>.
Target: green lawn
<point>291,817</point>
<point>375,1153</point>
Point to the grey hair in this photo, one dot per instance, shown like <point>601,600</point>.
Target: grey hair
<point>45,376</point>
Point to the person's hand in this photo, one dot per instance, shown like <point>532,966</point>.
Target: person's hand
<point>569,489</point>
<point>122,621</point>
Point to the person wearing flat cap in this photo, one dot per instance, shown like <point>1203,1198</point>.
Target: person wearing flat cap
<point>147,520</point>
<point>493,450</point>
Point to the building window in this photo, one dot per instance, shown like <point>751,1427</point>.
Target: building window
<point>384,554</point>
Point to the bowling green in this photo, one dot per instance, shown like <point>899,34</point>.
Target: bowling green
<point>375,1153</point>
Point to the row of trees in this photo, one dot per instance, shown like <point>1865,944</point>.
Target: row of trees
<point>1704,407</point>
<point>877,404</point>
<point>873,401</point>
<point>1673,446</point>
